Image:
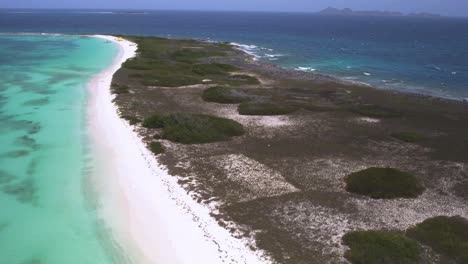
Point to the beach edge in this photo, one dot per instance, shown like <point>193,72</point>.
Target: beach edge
<point>186,232</point>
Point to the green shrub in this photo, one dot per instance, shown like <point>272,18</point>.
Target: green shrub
<point>376,111</point>
<point>119,89</point>
<point>156,148</point>
<point>265,108</point>
<point>381,247</point>
<point>409,137</point>
<point>224,95</point>
<point>213,69</point>
<point>446,235</point>
<point>194,128</point>
<point>131,119</point>
<point>381,183</point>
<point>154,121</point>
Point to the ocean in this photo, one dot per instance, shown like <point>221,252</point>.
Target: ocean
<point>421,55</point>
<point>49,211</point>
<point>49,214</point>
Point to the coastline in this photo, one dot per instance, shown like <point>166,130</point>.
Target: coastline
<point>164,224</point>
<point>320,76</point>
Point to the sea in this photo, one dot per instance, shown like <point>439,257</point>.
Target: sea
<point>48,208</point>
<point>413,54</point>
<point>49,213</point>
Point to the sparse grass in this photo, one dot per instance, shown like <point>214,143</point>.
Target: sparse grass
<point>213,69</point>
<point>446,235</point>
<point>382,247</point>
<point>224,95</point>
<point>241,79</point>
<point>376,111</point>
<point>265,108</point>
<point>194,128</point>
<point>409,137</point>
<point>156,147</point>
<point>383,183</point>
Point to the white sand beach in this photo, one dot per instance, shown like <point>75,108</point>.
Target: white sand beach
<point>150,215</point>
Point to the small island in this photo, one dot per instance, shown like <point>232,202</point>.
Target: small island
<point>309,168</point>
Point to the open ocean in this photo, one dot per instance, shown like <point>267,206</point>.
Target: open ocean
<point>422,55</point>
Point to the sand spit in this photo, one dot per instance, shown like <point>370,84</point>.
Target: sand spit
<point>163,223</point>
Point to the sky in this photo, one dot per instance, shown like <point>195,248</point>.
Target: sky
<point>445,7</point>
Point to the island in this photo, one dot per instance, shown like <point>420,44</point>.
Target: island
<point>304,167</point>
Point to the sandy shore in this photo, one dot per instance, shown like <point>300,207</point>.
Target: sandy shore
<point>158,222</point>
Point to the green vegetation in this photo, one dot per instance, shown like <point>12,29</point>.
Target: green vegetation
<point>119,89</point>
<point>446,235</point>
<point>131,119</point>
<point>241,79</point>
<point>154,121</point>
<point>369,247</point>
<point>409,137</point>
<point>382,183</point>
<point>190,55</point>
<point>156,148</point>
<point>265,108</point>
<point>375,111</point>
<point>213,69</point>
<point>194,128</point>
<point>174,63</point>
<point>224,95</point>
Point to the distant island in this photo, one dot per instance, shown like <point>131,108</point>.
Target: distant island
<point>130,12</point>
<point>350,12</point>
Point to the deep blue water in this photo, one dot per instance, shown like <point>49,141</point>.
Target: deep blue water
<point>426,55</point>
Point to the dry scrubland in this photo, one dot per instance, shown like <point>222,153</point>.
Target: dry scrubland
<point>316,170</point>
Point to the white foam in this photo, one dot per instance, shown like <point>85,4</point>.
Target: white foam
<point>306,69</point>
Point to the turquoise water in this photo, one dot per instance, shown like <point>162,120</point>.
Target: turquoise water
<point>48,211</point>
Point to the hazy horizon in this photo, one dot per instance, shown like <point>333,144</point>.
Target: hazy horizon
<point>448,7</point>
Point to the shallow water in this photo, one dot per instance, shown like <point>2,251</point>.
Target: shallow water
<point>49,214</point>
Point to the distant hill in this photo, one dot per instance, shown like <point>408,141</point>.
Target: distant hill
<point>350,12</point>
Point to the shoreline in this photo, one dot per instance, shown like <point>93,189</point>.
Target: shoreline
<point>164,223</point>
<point>296,73</point>
<point>301,74</point>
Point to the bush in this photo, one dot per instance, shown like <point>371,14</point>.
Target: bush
<point>119,89</point>
<point>154,121</point>
<point>194,128</point>
<point>224,95</point>
<point>375,111</point>
<point>446,235</point>
<point>265,108</point>
<point>381,247</point>
<point>213,69</point>
<point>131,119</point>
<point>156,148</point>
<point>240,79</point>
<point>409,137</point>
<point>380,183</point>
